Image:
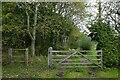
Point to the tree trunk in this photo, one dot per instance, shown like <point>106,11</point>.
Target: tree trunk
<point>99,12</point>
<point>33,34</point>
<point>33,47</point>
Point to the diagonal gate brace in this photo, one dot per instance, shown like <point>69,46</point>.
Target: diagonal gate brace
<point>67,57</point>
<point>88,59</point>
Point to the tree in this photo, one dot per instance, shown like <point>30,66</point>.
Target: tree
<point>106,37</point>
<point>111,15</point>
<point>13,30</point>
<point>33,34</point>
<point>44,21</point>
<point>107,42</point>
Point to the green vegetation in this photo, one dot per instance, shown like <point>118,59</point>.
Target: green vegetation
<point>108,42</point>
<point>39,69</point>
<point>40,25</point>
<point>0,28</point>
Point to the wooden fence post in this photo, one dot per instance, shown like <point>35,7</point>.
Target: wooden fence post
<point>10,56</point>
<point>0,56</point>
<point>26,56</point>
<point>50,56</point>
<point>101,59</point>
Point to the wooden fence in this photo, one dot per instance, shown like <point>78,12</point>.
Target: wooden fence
<point>10,55</point>
<point>74,58</point>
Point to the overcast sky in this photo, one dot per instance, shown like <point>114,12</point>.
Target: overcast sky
<point>90,10</point>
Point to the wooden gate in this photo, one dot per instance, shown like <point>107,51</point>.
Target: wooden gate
<point>74,58</point>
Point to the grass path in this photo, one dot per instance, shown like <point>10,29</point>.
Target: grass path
<point>39,69</point>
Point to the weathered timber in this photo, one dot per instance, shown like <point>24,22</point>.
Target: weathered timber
<point>10,56</point>
<point>26,56</point>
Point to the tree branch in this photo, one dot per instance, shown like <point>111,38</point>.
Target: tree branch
<point>28,24</point>
<point>35,21</point>
<point>117,28</point>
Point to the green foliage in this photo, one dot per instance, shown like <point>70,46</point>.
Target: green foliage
<point>0,28</point>
<point>14,32</point>
<point>108,42</point>
<point>73,36</point>
<point>84,42</point>
<point>15,37</point>
<point>52,28</point>
<point>80,40</point>
<point>52,32</point>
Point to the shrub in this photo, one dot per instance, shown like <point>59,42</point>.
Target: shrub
<point>85,43</point>
<point>108,42</point>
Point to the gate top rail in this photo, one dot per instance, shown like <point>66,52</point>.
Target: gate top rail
<point>50,49</point>
<point>75,50</point>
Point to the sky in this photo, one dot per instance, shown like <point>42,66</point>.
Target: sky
<point>92,10</point>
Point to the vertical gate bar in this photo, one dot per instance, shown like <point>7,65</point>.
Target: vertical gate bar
<point>50,56</point>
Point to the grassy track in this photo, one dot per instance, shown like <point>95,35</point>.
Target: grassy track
<point>39,69</point>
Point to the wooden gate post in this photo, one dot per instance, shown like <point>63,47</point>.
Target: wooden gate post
<point>50,56</point>
<point>10,56</point>
<point>26,56</point>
